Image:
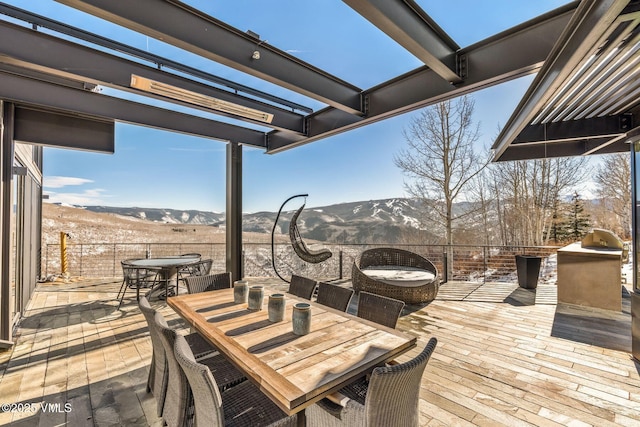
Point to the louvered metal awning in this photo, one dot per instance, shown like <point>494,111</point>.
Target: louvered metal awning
<point>584,99</point>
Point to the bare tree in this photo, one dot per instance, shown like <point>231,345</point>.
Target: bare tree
<point>440,159</point>
<point>527,194</point>
<point>613,179</point>
<point>483,191</point>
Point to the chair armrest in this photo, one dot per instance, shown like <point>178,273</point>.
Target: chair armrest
<point>326,413</point>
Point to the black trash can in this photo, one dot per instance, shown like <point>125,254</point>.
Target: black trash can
<point>528,267</point>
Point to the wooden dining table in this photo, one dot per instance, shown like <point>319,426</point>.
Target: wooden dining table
<point>294,371</point>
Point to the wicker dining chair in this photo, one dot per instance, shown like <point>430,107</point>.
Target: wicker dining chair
<point>390,398</point>
<point>334,296</point>
<point>210,282</point>
<point>178,404</point>
<point>157,380</point>
<point>302,287</point>
<point>241,405</point>
<point>377,308</point>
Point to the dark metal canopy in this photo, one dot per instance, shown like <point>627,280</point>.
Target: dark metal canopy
<point>585,98</point>
<point>46,71</point>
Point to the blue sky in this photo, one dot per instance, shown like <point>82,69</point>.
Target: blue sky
<point>153,168</point>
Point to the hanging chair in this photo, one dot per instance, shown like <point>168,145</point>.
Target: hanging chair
<point>306,254</point>
<point>299,247</point>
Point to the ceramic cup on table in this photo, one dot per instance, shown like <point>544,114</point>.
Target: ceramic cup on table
<point>240,291</point>
<point>256,294</point>
<point>276,307</point>
<point>301,318</point>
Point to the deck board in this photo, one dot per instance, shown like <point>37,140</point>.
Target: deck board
<point>505,356</point>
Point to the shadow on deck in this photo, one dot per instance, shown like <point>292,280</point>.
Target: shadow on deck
<point>506,356</point>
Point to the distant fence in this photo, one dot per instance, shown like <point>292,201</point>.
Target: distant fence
<point>474,263</point>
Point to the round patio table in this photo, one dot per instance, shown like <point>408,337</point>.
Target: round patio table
<point>167,267</point>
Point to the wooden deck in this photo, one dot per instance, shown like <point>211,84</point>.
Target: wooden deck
<point>506,356</point>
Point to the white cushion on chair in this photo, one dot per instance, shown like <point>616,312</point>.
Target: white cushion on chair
<point>399,275</point>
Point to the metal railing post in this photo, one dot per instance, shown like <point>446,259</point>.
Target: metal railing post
<point>445,263</point>
<point>242,265</point>
<point>340,264</point>
<point>484,264</point>
<point>46,262</point>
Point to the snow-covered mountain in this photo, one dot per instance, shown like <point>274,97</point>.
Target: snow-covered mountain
<point>166,216</point>
<point>355,222</point>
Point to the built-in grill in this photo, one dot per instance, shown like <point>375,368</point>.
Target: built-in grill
<point>590,271</point>
<point>599,238</point>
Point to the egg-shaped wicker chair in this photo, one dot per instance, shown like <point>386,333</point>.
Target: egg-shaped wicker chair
<point>395,273</point>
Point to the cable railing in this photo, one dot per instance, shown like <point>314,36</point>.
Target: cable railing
<point>470,263</point>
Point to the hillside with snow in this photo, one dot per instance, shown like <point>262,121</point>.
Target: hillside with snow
<point>356,222</point>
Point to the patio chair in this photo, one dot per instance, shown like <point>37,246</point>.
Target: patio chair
<point>241,405</point>
<point>209,282</point>
<point>156,370</point>
<point>297,243</point>
<point>389,398</point>
<point>135,278</point>
<point>178,402</point>
<point>334,296</point>
<point>200,268</point>
<point>377,308</point>
<point>302,287</point>
<point>395,273</point>
<point>300,247</point>
<point>157,380</point>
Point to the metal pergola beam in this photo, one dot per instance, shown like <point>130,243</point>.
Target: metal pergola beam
<point>78,33</point>
<point>185,27</point>
<point>32,92</point>
<point>570,148</point>
<point>599,135</point>
<point>511,54</point>
<point>406,23</point>
<point>35,50</point>
<point>52,129</point>
<point>576,42</point>
<point>598,127</point>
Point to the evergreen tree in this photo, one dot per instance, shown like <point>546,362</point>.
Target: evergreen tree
<point>559,230</point>
<point>579,221</point>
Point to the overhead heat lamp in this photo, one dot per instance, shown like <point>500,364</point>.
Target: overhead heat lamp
<point>173,92</point>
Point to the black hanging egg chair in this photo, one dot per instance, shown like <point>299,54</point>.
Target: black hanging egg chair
<point>299,247</point>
